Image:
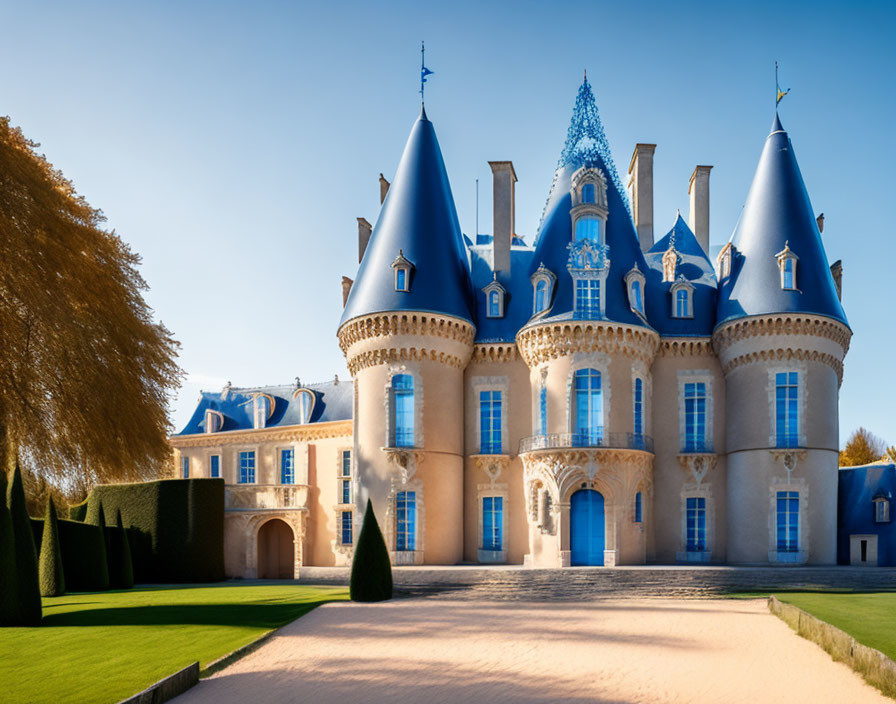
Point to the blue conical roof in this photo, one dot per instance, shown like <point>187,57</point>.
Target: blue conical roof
<point>586,145</point>
<point>778,214</point>
<point>418,221</point>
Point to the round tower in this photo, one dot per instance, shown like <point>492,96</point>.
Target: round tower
<point>781,339</point>
<point>407,335</point>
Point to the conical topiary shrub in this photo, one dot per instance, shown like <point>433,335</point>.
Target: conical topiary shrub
<point>371,568</point>
<point>28,588</point>
<point>9,602</point>
<point>121,571</point>
<point>102,578</point>
<point>51,577</point>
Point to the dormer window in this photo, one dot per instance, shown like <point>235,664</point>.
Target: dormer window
<point>402,268</point>
<point>634,280</point>
<point>725,261</point>
<point>494,298</point>
<point>589,205</point>
<point>305,399</point>
<point>543,285</point>
<point>588,193</point>
<point>682,299</point>
<point>214,421</point>
<point>262,409</point>
<point>881,508</point>
<point>787,261</point>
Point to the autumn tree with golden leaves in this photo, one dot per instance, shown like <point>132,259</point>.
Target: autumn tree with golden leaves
<point>85,371</point>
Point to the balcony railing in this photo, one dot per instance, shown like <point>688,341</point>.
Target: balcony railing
<point>619,441</point>
<point>247,497</point>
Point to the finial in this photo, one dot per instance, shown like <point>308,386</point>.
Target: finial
<point>585,77</point>
<point>779,94</point>
<point>424,72</point>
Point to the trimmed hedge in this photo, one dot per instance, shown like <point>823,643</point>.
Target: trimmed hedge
<point>28,587</point>
<point>78,512</point>
<point>83,549</point>
<point>52,576</point>
<point>9,603</point>
<point>118,552</point>
<point>371,578</point>
<point>175,527</point>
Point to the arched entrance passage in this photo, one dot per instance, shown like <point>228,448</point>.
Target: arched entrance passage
<point>586,528</point>
<point>276,551</point>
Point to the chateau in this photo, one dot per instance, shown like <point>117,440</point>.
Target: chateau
<point>589,397</point>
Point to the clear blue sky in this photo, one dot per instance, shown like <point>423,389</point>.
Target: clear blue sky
<point>234,144</point>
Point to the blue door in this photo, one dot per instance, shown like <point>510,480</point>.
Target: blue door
<point>586,527</point>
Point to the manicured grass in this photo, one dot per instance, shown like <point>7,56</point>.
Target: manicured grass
<point>869,618</point>
<point>98,648</point>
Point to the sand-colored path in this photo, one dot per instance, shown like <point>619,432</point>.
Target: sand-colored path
<point>433,651</point>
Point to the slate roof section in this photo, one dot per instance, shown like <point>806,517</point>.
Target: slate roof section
<point>778,212</point>
<point>333,401</point>
<point>419,219</point>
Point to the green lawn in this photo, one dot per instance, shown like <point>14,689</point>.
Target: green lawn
<point>869,618</point>
<point>102,647</point>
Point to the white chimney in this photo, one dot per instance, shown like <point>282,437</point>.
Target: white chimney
<point>640,172</point>
<point>503,200</point>
<point>384,188</point>
<point>698,190</point>
<point>364,230</point>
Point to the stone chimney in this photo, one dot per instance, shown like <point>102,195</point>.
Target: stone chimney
<point>384,188</point>
<point>504,204</point>
<point>698,190</point>
<point>346,288</point>
<point>640,172</point>
<point>837,273</point>
<point>820,222</point>
<point>364,230</point>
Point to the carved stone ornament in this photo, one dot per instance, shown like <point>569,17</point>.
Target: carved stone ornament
<point>405,460</point>
<point>698,465</point>
<point>492,465</point>
<point>789,457</point>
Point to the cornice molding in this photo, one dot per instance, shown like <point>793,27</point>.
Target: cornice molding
<point>290,433</point>
<point>685,346</point>
<point>789,353</point>
<point>495,352</point>
<point>404,323</point>
<point>542,343</point>
<point>786,324</point>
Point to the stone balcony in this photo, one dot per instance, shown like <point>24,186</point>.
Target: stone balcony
<point>259,497</point>
<point>590,440</point>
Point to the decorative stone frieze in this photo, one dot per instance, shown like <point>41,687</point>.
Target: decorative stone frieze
<point>790,324</point>
<point>787,354</point>
<point>542,343</point>
<point>288,434</point>
<point>392,324</point>
<point>405,460</point>
<point>563,471</point>
<point>495,352</point>
<point>697,465</point>
<point>789,458</point>
<point>685,347</point>
<point>372,358</point>
<point>492,465</point>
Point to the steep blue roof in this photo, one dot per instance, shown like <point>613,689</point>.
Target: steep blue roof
<point>333,401</point>
<point>858,487</point>
<point>695,268</point>
<point>778,213</point>
<point>418,219</point>
<point>517,299</point>
<point>586,145</point>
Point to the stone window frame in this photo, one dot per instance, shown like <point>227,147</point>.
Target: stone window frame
<point>881,509</point>
<point>218,452</point>
<point>782,257</point>
<point>724,261</point>
<point>491,383</point>
<point>539,377</point>
<point>640,371</point>
<point>415,374</point>
<point>338,506</point>
<point>800,367</point>
<point>589,360</point>
<point>542,273</point>
<point>690,376</point>
<point>697,491</point>
<point>682,285</point>
<point>598,209</point>
<point>278,462</point>
<point>801,487</point>
<point>401,263</point>
<point>213,427</point>
<point>236,462</point>
<point>630,278</point>
<point>405,557</point>
<point>304,391</point>
<point>492,489</point>
<point>494,287</point>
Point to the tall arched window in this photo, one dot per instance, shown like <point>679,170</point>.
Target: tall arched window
<point>406,520</point>
<point>638,301</point>
<point>541,296</point>
<point>543,410</point>
<point>589,428</point>
<point>403,410</point>
<point>494,304</point>
<point>639,510</point>
<point>588,228</point>
<point>639,411</point>
<point>788,274</point>
<point>588,193</point>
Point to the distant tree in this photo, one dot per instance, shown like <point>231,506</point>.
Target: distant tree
<point>51,576</point>
<point>863,447</point>
<point>371,578</point>
<point>27,585</point>
<point>85,371</point>
<point>890,454</point>
<point>9,601</point>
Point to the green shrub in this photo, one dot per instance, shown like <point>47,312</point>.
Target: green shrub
<point>175,527</point>
<point>371,569</point>
<point>78,512</point>
<point>50,572</point>
<point>98,519</point>
<point>83,551</point>
<point>28,588</point>
<point>118,550</point>
<point>9,603</point>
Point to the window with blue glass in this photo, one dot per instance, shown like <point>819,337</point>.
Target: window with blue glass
<point>696,524</point>
<point>786,409</point>
<point>260,411</point>
<point>247,467</point>
<point>346,528</point>
<point>588,228</point>
<point>215,466</point>
<point>588,193</point>
<point>345,478</point>
<point>682,304</point>
<point>401,279</point>
<point>588,407</point>
<point>406,520</point>
<point>788,274</point>
<point>493,523</point>
<point>287,467</point>
<point>638,509</point>
<point>305,399</point>
<point>639,409</point>
<point>541,296</point>
<point>185,467</point>
<point>403,410</point>
<point>788,521</point>
<point>695,417</point>
<point>494,304</point>
<point>490,422</point>
<point>637,297</point>
<point>587,298</point>
<point>543,410</point>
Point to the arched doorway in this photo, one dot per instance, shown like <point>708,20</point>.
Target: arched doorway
<point>586,528</point>
<point>276,551</point>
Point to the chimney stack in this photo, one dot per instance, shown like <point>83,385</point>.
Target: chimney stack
<point>364,230</point>
<point>698,190</point>
<point>504,204</point>
<point>346,288</point>
<point>640,172</point>
<point>837,273</point>
<point>384,188</point>
<point>820,222</point>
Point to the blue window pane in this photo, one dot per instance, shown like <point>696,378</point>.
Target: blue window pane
<point>587,304</point>
<point>681,303</point>
<point>490,422</point>
<point>695,417</point>
<point>401,278</point>
<point>185,467</point>
<point>346,480</point>
<point>492,523</point>
<point>695,519</point>
<point>494,304</point>
<point>588,407</point>
<point>405,520</point>
<point>346,463</point>
<point>788,273</point>
<point>247,467</point>
<point>588,193</point>
<point>215,465</point>
<point>638,509</point>
<point>287,467</point>
<point>639,408</point>
<point>786,409</point>
<point>637,299</point>
<point>346,527</point>
<point>403,405</point>
<point>588,228</point>
<point>543,410</point>
<point>541,296</point>
<point>788,521</point>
